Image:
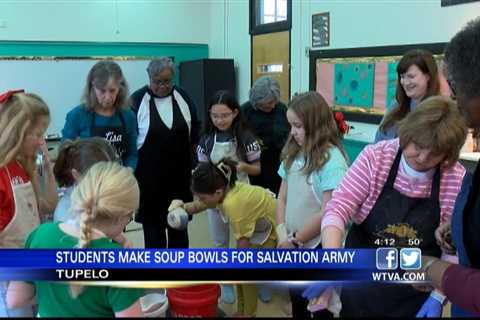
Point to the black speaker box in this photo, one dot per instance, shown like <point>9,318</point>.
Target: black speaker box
<point>202,78</point>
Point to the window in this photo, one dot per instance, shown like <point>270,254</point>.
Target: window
<point>270,16</point>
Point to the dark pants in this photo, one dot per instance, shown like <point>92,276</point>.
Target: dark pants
<point>156,236</point>
<point>299,306</point>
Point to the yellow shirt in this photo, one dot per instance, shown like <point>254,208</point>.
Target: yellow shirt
<point>244,205</point>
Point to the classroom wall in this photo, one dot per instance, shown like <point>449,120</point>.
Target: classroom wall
<point>230,38</point>
<point>364,23</point>
<point>167,21</point>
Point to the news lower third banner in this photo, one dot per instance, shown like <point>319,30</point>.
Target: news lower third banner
<point>206,264</point>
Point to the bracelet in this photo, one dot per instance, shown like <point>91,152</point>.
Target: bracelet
<point>439,297</point>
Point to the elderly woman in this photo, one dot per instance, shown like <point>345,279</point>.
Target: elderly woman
<point>417,79</point>
<point>397,193</point>
<point>266,115</point>
<point>167,132</point>
<point>104,112</point>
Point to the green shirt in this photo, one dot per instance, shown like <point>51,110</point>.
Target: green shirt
<point>54,299</point>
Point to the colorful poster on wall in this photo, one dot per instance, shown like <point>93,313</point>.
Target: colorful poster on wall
<point>354,84</point>
<point>391,84</point>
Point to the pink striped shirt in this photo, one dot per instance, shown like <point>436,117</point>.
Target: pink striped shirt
<point>360,188</point>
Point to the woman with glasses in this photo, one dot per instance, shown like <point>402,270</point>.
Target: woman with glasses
<point>105,112</point>
<point>417,79</point>
<point>167,134</point>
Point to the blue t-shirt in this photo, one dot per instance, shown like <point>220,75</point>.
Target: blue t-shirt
<point>327,178</point>
<point>79,122</point>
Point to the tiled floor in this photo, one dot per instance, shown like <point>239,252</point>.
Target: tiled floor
<point>199,238</point>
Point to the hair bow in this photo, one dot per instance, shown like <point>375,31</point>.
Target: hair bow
<point>342,126</point>
<point>5,96</point>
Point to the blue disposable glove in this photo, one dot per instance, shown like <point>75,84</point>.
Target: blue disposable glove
<point>315,290</point>
<point>432,308</point>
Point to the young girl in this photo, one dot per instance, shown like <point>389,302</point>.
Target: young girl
<point>247,208</point>
<point>104,201</point>
<point>24,118</point>
<point>314,163</point>
<point>225,136</point>
<point>73,160</point>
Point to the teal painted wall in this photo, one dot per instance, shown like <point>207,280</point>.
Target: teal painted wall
<point>353,148</point>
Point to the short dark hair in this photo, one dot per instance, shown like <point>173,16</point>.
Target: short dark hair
<point>209,177</point>
<point>462,61</point>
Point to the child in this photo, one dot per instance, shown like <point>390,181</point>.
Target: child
<point>24,118</point>
<point>73,160</point>
<point>225,136</point>
<point>105,200</point>
<point>314,163</point>
<point>246,206</point>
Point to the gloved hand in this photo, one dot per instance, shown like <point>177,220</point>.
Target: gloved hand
<point>315,290</point>
<point>432,308</point>
<point>175,204</point>
<point>282,233</point>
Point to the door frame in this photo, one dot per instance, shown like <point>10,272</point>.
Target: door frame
<point>271,28</point>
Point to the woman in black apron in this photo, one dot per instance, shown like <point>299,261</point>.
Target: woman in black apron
<point>105,112</point>
<point>167,132</point>
<point>397,219</point>
<point>266,115</point>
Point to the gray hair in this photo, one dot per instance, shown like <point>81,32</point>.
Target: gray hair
<point>158,65</point>
<point>98,77</point>
<point>265,89</point>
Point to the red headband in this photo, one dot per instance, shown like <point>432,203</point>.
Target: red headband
<point>5,96</point>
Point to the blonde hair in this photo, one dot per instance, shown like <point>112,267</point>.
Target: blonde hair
<point>107,192</point>
<point>18,114</point>
<point>321,132</point>
<point>436,124</point>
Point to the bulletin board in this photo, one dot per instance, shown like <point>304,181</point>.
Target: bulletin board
<point>57,71</point>
<point>361,82</point>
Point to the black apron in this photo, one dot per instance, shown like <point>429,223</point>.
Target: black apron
<point>164,166</point>
<point>117,136</point>
<point>394,215</point>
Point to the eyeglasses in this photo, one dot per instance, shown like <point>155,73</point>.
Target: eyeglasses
<point>163,83</point>
<point>452,86</point>
<point>221,116</point>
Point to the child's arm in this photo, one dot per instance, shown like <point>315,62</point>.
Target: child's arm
<point>48,200</point>
<point>20,294</point>
<point>252,169</point>
<point>193,207</point>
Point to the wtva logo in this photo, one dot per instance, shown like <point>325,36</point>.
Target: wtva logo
<point>410,258</point>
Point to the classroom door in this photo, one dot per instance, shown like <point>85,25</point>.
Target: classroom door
<point>271,56</point>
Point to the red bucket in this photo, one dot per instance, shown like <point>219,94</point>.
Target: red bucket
<point>194,301</point>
